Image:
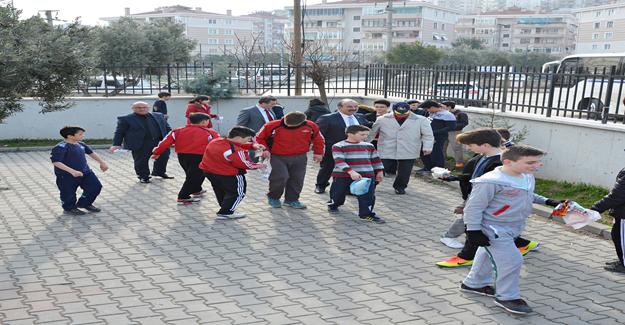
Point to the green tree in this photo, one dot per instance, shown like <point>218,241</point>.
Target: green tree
<point>39,60</point>
<point>470,42</point>
<point>415,54</point>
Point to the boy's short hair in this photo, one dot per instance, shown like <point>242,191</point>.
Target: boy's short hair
<point>505,133</point>
<point>413,101</point>
<point>429,104</point>
<point>197,118</point>
<point>294,118</point>
<point>479,137</point>
<point>164,94</point>
<point>266,99</point>
<point>70,130</point>
<point>241,131</point>
<point>353,129</point>
<point>383,102</point>
<point>517,152</point>
<point>449,104</point>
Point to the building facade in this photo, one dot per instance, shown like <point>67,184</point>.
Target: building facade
<point>601,29</point>
<point>521,31</point>
<point>360,27</point>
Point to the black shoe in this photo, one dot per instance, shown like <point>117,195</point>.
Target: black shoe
<point>516,306</point>
<point>618,268</point>
<point>144,180</point>
<point>374,219</point>
<point>320,189</point>
<point>164,176</point>
<point>91,208</point>
<point>484,291</point>
<point>400,191</point>
<point>333,209</point>
<point>75,212</point>
<point>613,263</point>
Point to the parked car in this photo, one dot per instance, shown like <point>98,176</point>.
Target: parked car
<point>468,94</point>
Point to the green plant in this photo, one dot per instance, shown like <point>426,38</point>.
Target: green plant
<point>495,121</point>
<point>215,85</point>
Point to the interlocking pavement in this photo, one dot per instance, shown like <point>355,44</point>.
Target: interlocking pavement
<point>146,260</point>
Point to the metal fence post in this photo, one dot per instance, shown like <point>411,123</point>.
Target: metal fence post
<point>506,79</point>
<point>288,80</point>
<point>169,78</point>
<point>608,96</point>
<point>552,89</point>
<point>385,81</point>
<point>106,88</point>
<point>367,79</point>
<point>408,82</point>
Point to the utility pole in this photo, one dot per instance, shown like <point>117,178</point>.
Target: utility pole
<point>48,13</point>
<point>389,28</point>
<point>297,46</point>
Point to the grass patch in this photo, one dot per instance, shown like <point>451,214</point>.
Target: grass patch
<point>17,143</point>
<point>583,194</point>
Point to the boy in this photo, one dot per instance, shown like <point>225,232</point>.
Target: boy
<point>353,160</point>
<point>615,202</point>
<point>190,141</point>
<point>486,143</point>
<point>288,141</point>
<point>71,170</point>
<point>160,105</point>
<point>462,120</point>
<point>414,107</point>
<point>224,163</point>
<point>495,214</point>
<point>442,121</point>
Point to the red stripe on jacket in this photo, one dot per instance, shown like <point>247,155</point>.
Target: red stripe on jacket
<point>291,141</point>
<point>191,139</point>
<point>502,210</point>
<point>220,158</point>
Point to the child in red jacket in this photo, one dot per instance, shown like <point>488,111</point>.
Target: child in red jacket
<point>200,104</point>
<point>224,164</point>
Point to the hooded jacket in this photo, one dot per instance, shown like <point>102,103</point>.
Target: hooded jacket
<point>316,109</point>
<point>403,141</point>
<point>615,200</point>
<point>499,204</point>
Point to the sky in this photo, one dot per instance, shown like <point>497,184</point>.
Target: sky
<point>92,10</point>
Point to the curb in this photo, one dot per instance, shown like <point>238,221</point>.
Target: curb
<point>48,148</point>
<point>544,212</point>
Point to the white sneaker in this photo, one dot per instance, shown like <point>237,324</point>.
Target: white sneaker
<point>451,242</point>
<point>233,216</point>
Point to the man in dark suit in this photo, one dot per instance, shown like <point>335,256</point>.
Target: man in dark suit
<point>332,126</point>
<point>256,116</point>
<point>140,132</point>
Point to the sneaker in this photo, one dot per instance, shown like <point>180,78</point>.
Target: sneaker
<point>199,194</point>
<point>455,261</point>
<point>188,201</point>
<point>274,203</point>
<point>75,212</point>
<point>616,268</point>
<point>144,180</point>
<point>613,263</point>
<point>333,209</point>
<point>233,216</point>
<point>320,189</point>
<point>295,204</point>
<point>452,242</point>
<point>533,245</point>
<point>484,291</point>
<point>374,219</point>
<point>91,208</point>
<point>515,306</point>
<point>164,176</point>
<point>400,191</point>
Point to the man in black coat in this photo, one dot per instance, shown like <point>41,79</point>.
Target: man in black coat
<point>615,203</point>
<point>332,126</point>
<point>140,132</point>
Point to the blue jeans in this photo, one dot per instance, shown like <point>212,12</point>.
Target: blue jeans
<point>340,188</point>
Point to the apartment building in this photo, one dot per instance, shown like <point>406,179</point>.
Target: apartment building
<point>359,27</point>
<point>517,30</point>
<point>601,29</point>
<point>269,26</point>
<point>215,33</point>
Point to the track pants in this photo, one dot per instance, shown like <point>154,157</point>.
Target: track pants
<point>194,176</point>
<point>229,191</point>
<point>618,237</point>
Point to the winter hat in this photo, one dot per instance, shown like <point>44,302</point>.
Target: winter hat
<point>401,108</point>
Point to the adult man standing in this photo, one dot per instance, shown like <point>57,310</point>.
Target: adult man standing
<point>332,126</point>
<point>402,136</point>
<point>140,132</point>
<point>256,116</point>
<point>288,141</point>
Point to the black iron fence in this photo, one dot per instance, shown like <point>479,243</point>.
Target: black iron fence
<point>595,94</point>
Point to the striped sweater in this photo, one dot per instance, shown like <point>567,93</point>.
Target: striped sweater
<point>360,157</point>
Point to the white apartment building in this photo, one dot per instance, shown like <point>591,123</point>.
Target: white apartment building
<point>601,29</point>
<point>516,30</point>
<point>360,27</point>
<point>269,26</point>
<point>215,33</point>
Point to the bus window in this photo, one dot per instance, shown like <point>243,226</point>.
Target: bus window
<point>565,76</point>
<point>588,65</point>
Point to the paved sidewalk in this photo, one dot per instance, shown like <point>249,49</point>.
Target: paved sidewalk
<point>145,260</point>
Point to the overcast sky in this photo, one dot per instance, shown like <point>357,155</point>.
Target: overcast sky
<point>91,10</point>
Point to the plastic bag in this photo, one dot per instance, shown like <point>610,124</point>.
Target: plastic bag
<point>575,215</point>
<point>361,186</point>
<point>265,172</point>
<point>438,172</point>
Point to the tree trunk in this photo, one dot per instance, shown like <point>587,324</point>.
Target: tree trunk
<point>322,92</point>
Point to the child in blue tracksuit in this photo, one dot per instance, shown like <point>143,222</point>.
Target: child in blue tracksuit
<point>72,171</point>
<point>495,215</point>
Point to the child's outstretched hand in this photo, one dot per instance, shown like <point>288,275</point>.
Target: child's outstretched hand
<point>379,177</point>
<point>354,175</point>
<point>76,173</point>
<point>104,167</point>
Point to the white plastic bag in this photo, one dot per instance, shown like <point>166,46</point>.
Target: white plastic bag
<point>439,173</point>
<point>265,172</point>
<point>360,187</point>
<point>575,215</point>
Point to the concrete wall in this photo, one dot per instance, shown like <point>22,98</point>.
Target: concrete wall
<point>579,151</point>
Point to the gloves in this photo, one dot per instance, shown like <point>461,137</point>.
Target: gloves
<point>450,178</point>
<point>477,238</point>
<point>553,203</point>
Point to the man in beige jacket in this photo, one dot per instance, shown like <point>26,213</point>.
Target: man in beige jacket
<point>402,136</point>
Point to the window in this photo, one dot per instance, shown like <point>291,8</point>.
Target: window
<point>213,41</point>
<point>594,46</point>
<point>212,21</point>
<point>435,25</point>
<point>227,31</point>
<point>610,12</point>
<point>506,35</point>
<point>595,35</point>
<point>228,41</point>
<point>607,46</point>
<point>609,24</point>
<point>608,35</point>
<point>331,24</point>
<point>505,45</point>
<point>356,41</point>
<point>356,17</point>
<point>524,41</point>
<point>597,25</point>
<point>442,26</point>
<point>212,31</point>
<point>597,13</point>
<point>356,29</point>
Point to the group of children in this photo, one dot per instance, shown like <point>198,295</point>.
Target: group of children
<point>497,185</point>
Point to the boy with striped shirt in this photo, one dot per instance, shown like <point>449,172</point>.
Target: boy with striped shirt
<point>353,160</point>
